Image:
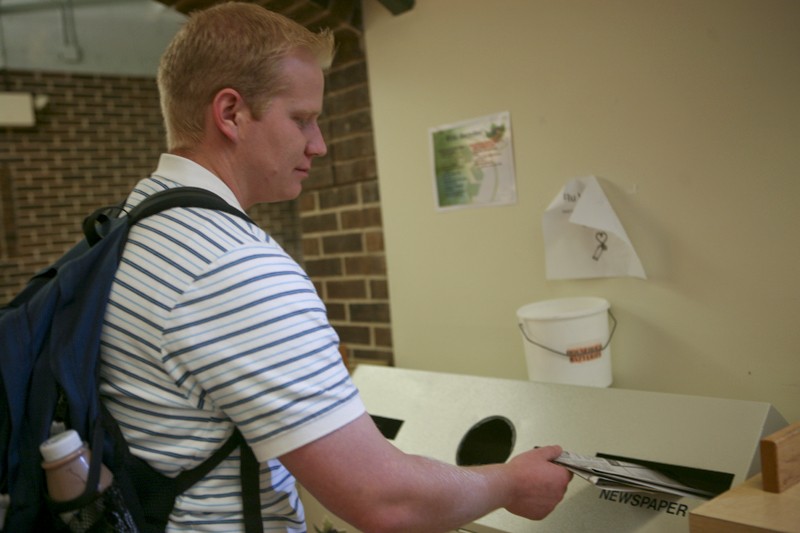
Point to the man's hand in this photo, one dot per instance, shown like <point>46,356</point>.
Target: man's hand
<point>541,484</point>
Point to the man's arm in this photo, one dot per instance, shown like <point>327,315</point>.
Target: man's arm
<point>359,475</point>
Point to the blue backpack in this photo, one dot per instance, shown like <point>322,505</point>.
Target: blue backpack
<point>49,372</point>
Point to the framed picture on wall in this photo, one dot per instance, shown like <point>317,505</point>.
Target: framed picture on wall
<point>473,163</point>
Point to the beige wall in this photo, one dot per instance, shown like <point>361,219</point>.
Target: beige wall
<point>688,111</point>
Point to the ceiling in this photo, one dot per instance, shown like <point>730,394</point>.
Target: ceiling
<point>126,37</point>
<point>331,13</point>
<point>334,11</point>
<point>115,37</point>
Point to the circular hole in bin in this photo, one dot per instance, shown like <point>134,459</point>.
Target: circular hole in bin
<point>490,441</point>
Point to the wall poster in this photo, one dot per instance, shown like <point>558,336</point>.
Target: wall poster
<point>473,163</point>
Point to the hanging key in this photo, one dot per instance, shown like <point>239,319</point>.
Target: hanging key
<point>601,237</point>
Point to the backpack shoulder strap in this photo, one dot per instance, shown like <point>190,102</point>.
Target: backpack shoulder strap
<point>100,222</point>
<point>249,471</point>
<point>182,197</point>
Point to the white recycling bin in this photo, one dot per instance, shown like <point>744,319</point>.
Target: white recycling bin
<point>455,418</point>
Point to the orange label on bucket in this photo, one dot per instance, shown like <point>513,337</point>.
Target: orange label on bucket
<point>585,353</point>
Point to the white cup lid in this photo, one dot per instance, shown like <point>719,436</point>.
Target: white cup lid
<point>60,445</point>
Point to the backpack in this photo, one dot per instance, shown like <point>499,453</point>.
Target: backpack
<point>49,372</point>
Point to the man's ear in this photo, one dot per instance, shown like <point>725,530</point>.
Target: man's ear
<point>228,111</point>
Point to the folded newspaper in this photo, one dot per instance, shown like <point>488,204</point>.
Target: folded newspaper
<point>612,474</point>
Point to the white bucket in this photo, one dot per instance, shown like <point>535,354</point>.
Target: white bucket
<point>567,341</point>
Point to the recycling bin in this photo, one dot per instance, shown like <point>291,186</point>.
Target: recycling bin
<point>709,443</point>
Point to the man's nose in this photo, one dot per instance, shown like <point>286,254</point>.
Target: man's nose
<point>316,144</point>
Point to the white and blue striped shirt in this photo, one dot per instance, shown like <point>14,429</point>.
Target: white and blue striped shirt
<point>210,324</point>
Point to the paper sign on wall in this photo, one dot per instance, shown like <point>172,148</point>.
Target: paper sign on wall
<point>583,236</point>
<point>473,163</point>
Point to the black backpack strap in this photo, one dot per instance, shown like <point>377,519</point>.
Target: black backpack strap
<point>99,223</point>
<point>182,197</point>
<point>186,479</point>
<point>156,493</point>
<point>249,473</point>
<point>251,490</point>
<point>140,470</point>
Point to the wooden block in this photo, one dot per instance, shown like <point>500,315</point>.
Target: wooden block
<point>747,508</point>
<point>780,459</point>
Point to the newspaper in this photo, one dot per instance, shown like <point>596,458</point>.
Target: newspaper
<point>612,474</point>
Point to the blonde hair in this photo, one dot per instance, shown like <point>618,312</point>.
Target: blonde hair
<point>231,45</point>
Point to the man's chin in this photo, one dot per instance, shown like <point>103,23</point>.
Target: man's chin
<point>285,196</point>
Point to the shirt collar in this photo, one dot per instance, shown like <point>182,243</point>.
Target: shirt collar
<point>190,174</point>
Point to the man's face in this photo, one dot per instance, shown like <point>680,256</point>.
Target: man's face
<point>277,149</point>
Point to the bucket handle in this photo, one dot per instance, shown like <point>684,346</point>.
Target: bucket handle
<point>610,336</point>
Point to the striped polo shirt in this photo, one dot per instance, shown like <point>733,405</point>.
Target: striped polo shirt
<point>210,324</point>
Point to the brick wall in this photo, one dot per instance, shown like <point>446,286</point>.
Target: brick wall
<point>95,138</point>
<point>100,134</point>
<point>341,215</point>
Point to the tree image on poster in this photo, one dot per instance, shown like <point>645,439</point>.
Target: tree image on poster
<point>474,163</point>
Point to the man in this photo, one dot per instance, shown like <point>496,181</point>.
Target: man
<point>211,325</point>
